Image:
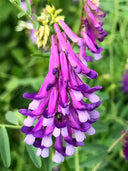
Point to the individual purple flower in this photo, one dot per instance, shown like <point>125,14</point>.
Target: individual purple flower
<point>93,27</point>
<point>75,2</point>
<point>125,146</point>
<point>24,6</point>
<point>124,82</point>
<point>59,109</point>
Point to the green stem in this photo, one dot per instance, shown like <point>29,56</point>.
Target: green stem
<point>21,10</point>
<point>81,21</point>
<point>77,167</point>
<point>10,126</point>
<point>66,166</point>
<point>110,149</point>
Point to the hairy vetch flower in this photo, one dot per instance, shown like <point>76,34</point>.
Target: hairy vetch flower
<point>125,146</point>
<point>64,109</point>
<point>124,82</point>
<point>93,27</point>
<point>48,17</point>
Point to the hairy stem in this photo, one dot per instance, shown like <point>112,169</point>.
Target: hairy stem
<point>77,167</point>
<point>81,21</point>
<point>10,126</point>
<point>81,18</point>
<point>21,10</point>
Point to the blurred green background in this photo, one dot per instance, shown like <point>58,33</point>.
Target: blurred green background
<point>23,68</point>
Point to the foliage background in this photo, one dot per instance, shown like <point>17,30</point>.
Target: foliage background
<point>23,68</point>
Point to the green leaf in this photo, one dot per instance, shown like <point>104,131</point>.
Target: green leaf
<point>32,153</point>
<point>91,161</point>
<point>100,127</point>
<point>35,16</point>
<point>11,1</point>
<point>36,26</point>
<point>5,147</point>
<point>20,14</point>
<point>93,147</point>
<point>18,2</point>
<point>28,7</point>
<point>11,117</point>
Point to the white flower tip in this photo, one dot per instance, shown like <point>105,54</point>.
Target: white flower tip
<point>80,136</point>
<point>70,150</point>
<point>29,139</point>
<point>91,131</point>
<point>56,132</point>
<point>45,152</point>
<point>58,158</point>
<point>28,121</point>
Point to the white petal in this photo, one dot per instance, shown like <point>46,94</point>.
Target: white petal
<point>56,132</point>
<point>65,110</point>
<point>70,149</point>
<point>38,152</point>
<point>29,121</point>
<point>78,95</point>
<point>46,141</point>
<point>48,122</point>
<point>94,114</point>
<point>93,98</point>
<point>83,115</point>
<point>80,136</point>
<point>45,152</point>
<point>34,104</point>
<point>91,131</point>
<point>58,158</point>
<point>97,56</point>
<point>64,132</point>
<point>84,62</point>
<point>29,139</point>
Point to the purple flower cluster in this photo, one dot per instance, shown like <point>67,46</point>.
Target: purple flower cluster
<point>93,28</point>
<point>124,82</point>
<point>64,109</point>
<point>125,146</point>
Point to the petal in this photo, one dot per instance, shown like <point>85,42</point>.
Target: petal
<point>83,115</point>
<point>52,101</point>
<point>47,141</point>
<point>91,131</point>
<point>54,56</point>
<point>58,158</point>
<point>60,37</point>
<point>64,132</point>
<point>38,152</point>
<point>70,33</point>
<point>93,98</point>
<point>56,132</point>
<point>70,149</point>
<point>94,114</point>
<point>29,139</point>
<point>64,66</point>
<point>48,122</point>
<point>80,136</point>
<point>34,104</point>
<point>29,121</point>
<point>78,95</point>
<point>45,152</point>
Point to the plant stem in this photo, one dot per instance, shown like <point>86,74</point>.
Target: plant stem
<point>81,18</point>
<point>77,167</point>
<point>81,21</point>
<point>10,126</point>
<point>110,149</point>
<point>66,166</point>
<point>21,10</point>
